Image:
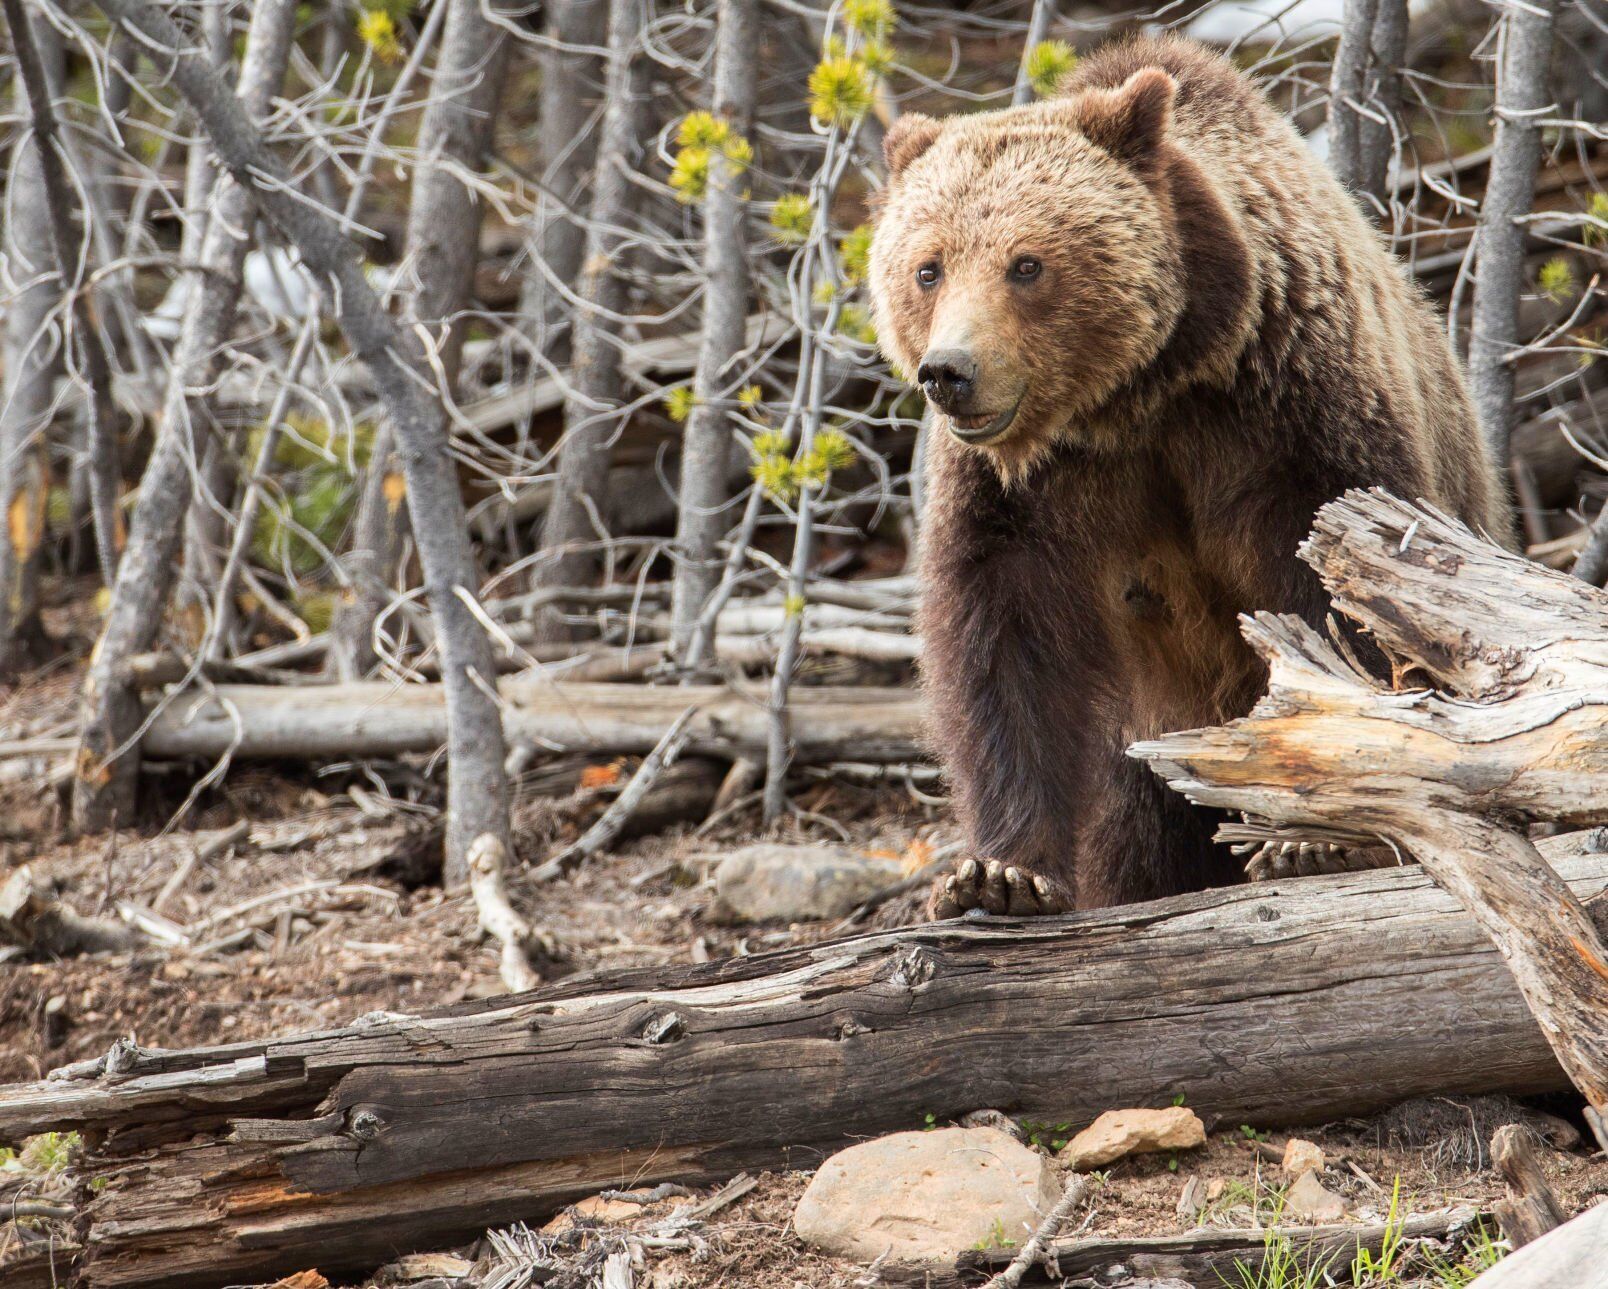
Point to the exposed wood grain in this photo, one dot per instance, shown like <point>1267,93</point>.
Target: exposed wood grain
<point>1302,1000</point>
<point>1515,730</point>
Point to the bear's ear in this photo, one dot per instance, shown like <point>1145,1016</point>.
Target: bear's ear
<point>906,139</point>
<point>1129,122</point>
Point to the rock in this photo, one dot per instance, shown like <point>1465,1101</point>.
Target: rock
<point>594,1210</point>
<point>1133,1132</point>
<point>1192,1199</point>
<point>926,1196</point>
<point>1302,1156</point>
<point>776,883</point>
<point>1308,1201</point>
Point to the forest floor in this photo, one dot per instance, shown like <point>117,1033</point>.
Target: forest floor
<point>327,909</point>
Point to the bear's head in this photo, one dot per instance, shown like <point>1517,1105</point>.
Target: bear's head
<point>1025,266</point>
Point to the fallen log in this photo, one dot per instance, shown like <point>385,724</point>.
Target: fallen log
<point>376,719</point>
<point>1514,730</point>
<point>1295,1001</point>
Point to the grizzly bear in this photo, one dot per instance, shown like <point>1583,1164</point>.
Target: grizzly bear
<point>1156,335</point>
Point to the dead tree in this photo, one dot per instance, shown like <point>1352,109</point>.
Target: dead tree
<point>1513,730</point>
<point>1275,1003</point>
<point>576,515</point>
<point>403,378</point>
<point>33,332</point>
<point>1524,59</point>
<point>443,246</point>
<point>708,441</point>
<point>110,716</point>
<point>1365,95</point>
<point>572,76</point>
<point>69,235</point>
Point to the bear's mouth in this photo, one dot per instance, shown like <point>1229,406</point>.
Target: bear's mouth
<point>984,427</point>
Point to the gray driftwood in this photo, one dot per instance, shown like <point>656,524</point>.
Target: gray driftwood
<point>1498,717</point>
<point>383,719</point>
<point>1303,1000</point>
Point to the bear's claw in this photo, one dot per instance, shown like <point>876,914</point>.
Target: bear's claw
<point>1271,860</point>
<point>1001,889</point>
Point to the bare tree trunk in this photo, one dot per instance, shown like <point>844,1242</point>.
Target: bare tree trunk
<point>579,501</point>
<point>443,245</point>
<point>107,770</point>
<point>708,441</point>
<point>571,85</point>
<point>1522,96</point>
<point>477,792</point>
<point>70,237</point>
<point>31,284</point>
<point>1389,57</point>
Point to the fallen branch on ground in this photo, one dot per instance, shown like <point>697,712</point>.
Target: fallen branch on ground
<point>371,719</point>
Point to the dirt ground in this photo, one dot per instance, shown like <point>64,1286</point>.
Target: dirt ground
<point>327,909</point>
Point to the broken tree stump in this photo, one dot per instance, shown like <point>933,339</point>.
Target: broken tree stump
<point>1499,717</point>
<point>1295,1001</point>
<point>1531,1209</point>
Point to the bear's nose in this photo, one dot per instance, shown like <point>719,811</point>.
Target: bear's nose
<point>948,377</point>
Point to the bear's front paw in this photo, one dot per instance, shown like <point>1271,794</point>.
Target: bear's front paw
<point>997,888</point>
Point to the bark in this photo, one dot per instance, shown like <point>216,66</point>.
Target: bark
<point>476,790</point>
<point>1522,98</point>
<point>33,289</point>
<point>1514,730</point>
<point>571,83</point>
<point>70,234</point>
<point>1365,86</point>
<point>206,519</point>
<point>1276,1003</point>
<point>443,245</point>
<point>579,500</point>
<point>708,442</point>
<point>107,772</point>
<point>376,719</point>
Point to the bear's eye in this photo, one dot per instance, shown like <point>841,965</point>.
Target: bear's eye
<point>1026,267</point>
<point>929,273</point>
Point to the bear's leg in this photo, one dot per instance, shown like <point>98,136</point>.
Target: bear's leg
<point>1143,841</point>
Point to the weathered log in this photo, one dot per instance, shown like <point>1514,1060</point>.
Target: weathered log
<point>1515,730</point>
<point>379,719</point>
<point>1303,1000</point>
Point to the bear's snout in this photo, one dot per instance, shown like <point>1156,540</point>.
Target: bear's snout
<point>948,378</point>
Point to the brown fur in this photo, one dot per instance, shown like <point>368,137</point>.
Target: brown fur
<point>1217,344</point>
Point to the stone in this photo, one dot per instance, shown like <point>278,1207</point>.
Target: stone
<point>779,883</point>
<point>594,1210</point>
<point>1117,1133</point>
<point>926,1196</point>
<point>1308,1201</point>
<point>1302,1156</point>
